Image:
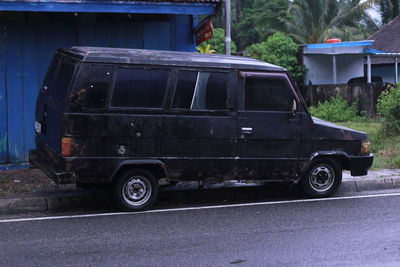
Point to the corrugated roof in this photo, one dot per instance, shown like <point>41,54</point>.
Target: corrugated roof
<point>387,39</point>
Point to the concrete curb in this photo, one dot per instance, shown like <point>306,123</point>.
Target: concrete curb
<point>83,199</point>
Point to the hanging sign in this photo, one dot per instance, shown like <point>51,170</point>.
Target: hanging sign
<point>204,31</point>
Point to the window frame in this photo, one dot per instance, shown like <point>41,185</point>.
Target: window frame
<point>191,111</point>
<point>243,75</point>
<point>142,67</point>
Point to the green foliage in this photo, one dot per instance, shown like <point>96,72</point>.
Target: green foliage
<point>336,109</point>
<point>217,43</point>
<point>314,21</point>
<point>281,50</point>
<point>389,9</point>
<point>255,20</point>
<point>389,107</point>
<point>205,49</point>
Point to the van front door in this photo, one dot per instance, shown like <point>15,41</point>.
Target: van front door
<point>268,127</point>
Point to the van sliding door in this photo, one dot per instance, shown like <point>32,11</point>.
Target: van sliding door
<point>200,131</point>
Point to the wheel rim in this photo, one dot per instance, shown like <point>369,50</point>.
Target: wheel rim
<point>137,190</point>
<point>322,178</point>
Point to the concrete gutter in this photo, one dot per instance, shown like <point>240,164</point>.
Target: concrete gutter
<point>82,199</point>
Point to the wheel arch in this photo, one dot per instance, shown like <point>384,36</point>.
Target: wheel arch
<point>340,157</point>
<point>156,167</point>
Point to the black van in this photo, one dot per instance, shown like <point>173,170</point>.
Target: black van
<point>128,118</point>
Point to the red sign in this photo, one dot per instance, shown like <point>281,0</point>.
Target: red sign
<point>204,31</point>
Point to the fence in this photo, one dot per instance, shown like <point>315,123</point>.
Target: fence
<point>366,94</point>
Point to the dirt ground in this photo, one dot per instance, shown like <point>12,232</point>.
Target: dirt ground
<point>28,182</point>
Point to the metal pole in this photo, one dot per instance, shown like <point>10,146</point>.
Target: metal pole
<point>396,71</point>
<point>369,68</point>
<point>228,27</point>
<point>334,69</point>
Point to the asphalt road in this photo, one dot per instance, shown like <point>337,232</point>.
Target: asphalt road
<point>334,232</point>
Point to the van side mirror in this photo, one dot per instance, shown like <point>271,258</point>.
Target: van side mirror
<point>294,108</point>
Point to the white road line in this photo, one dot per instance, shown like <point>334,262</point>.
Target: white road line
<point>197,208</point>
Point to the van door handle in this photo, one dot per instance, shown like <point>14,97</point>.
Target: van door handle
<point>247,130</point>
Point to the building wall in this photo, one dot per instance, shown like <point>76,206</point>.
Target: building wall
<point>349,66</point>
<point>320,68</point>
<point>29,40</point>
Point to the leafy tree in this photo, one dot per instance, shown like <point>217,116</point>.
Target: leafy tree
<point>314,21</point>
<point>281,50</point>
<point>217,43</point>
<point>389,9</point>
<point>255,20</point>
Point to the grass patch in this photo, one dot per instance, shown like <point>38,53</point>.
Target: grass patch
<point>386,148</point>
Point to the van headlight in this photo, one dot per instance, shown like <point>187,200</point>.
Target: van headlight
<point>365,147</point>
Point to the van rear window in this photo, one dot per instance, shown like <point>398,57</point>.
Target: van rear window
<point>58,78</point>
<point>58,90</point>
<point>139,88</point>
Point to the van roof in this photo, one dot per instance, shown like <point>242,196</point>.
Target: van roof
<point>140,56</point>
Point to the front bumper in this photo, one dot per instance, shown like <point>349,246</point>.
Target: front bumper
<point>58,177</point>
<point>359,165</point>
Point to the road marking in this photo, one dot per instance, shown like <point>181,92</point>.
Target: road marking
<point>197,208</point>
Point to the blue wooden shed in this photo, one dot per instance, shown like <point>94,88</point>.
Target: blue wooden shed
<point>32,30</point>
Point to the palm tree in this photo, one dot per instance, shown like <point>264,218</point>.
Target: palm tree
<point>313,21</point>
<point>389,9</point>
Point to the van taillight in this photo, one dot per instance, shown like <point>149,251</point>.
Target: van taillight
<point>66,146</point>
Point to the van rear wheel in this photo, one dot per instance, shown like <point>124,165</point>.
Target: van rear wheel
<point>135,189</point>
<point>322,178</point>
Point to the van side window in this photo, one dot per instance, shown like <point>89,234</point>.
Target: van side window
<point>263,94</point>
<point>91,90</point>
<point>201,90</point>
<point>142,88</point>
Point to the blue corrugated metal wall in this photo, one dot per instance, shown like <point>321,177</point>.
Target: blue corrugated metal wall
<point>26,50</point>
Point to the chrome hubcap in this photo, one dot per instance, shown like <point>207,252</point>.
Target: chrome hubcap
<point>322,178</point>
<point>136,190</point>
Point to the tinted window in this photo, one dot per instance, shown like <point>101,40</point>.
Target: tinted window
<point>201,90</point>
<point>267,94</point>
<point>91,90</point>
<point>184,89</point>
<point>139,88</point>
<point>61,83</point>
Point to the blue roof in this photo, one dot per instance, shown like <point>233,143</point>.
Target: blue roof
<point>374,51</point>
<point>192,7</point>
<point>341,44</point>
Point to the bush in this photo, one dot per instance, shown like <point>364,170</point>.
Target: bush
<point>389,107</point>
<point>336,109</point>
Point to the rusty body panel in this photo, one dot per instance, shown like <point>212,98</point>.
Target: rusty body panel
<point>235,138</point>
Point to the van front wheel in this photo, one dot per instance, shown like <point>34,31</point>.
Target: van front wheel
<point>135,190</point>
<point>322,178</point>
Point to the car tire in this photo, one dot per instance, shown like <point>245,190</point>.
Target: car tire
<point>135,190</point>
<point>322,178</point>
